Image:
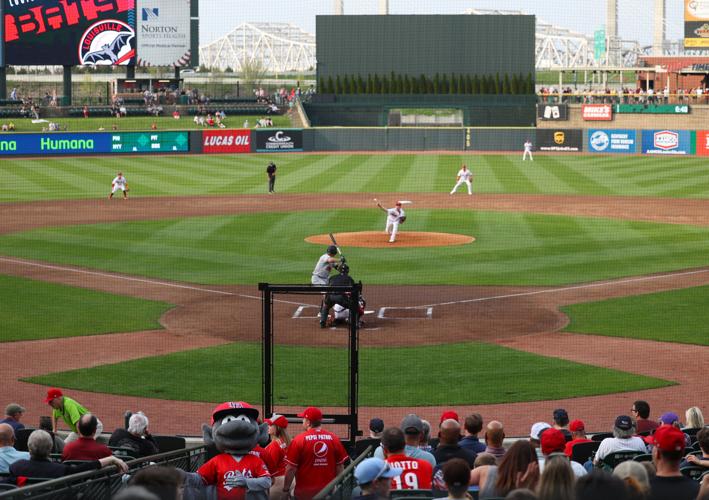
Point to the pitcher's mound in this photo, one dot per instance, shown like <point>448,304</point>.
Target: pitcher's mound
<point>379,239</point>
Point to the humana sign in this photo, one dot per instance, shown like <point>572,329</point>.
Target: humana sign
<point>63,144</point>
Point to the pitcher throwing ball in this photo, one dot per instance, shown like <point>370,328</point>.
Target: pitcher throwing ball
<point>395,216</point>
<point>121,183</point>
<point>465,176</point>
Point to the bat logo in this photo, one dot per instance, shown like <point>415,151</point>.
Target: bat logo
<point>107,42</point>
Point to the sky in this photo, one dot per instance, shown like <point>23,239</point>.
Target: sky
<point>635,17</point>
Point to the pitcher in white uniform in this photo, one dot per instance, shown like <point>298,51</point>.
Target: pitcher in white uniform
<point>121,183</point>
<point>465,176</point>
<point>395,216</point>
<point>326,263</point>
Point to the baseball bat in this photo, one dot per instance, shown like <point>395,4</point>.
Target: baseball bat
<point>334,242</point>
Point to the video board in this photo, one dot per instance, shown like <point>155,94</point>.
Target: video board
<point>696,24</point>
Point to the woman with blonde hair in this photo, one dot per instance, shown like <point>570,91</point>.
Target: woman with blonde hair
<point>694,418</point>
<point>276,449</point>
<point>557,480</point>
<point>636,478</point>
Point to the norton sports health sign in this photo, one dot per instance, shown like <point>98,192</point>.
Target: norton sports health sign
<point>163,32</point>
<point>69,32</point>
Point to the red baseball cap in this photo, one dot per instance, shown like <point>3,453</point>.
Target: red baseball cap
<point>52,394</point>
<point>234,407</point>
<point>311,413</point>
<point>552,440</point>
<point>668,438</point>
<point>450,414</point>
<point>278,421</point>
<point>577,425</point>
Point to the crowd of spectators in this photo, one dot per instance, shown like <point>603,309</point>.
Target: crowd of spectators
<point>624,95</point>
<point>468,458</point>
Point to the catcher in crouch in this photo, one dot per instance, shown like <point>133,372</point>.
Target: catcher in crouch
<point>339,299</point>
<point>395,216</point>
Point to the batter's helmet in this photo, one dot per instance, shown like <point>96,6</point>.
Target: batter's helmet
<point>332,250</point>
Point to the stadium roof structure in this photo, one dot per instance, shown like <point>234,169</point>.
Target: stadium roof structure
<point>270,47</point>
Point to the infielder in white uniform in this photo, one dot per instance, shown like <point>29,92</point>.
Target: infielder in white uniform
<point>395,216</point>
<point>465,176</point>
<point>121,183</point>
<point>326,263</point>
<point>527,150</point>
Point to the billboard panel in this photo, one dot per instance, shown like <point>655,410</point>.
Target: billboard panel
<point>703,142</point>
<point>54,144</point>
<point>597,112</point>
<point>226,141</point>
<point>163,32</point>
<point>696,24</point>
<point>554,112</point>
<point>559,139</point>
<point>279,140</point>
<point>668,142</point>
<point>612,141</point>
<point>149,142</point>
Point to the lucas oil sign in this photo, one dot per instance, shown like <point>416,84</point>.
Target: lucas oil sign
<point>226,141</point>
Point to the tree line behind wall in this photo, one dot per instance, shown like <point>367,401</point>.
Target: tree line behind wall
<point>438,84</point>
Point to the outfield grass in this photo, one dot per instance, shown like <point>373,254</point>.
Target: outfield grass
<point>34,310</point>
<point>510,248</point>
<point>678,316</point>
<point>475,373</point>
<point>71,178</point>
<point>128,123</point>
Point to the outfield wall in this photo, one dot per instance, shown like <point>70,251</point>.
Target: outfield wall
<point>233,141</point>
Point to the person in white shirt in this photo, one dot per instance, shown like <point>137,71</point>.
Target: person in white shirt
<point>623,440</point>
<point>395,216</point>
<point>121,183</point>
<point>465,176</point>
<point>527,150</point>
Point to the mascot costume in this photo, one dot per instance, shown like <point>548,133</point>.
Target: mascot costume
<point>238,471</point>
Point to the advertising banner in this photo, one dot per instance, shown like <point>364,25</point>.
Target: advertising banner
<point>559,139</point>
<point>696,24</point>
<point>653,109</point>
<point>226,141</point>
<point>703,142</point>
<point>279,140</point>
<point>668,142</point>
<point>612,141</point>
<point>598,112</point>
<point>69,32</point>
<point>149,142</point>
<point>53,144</point>
<point>163,32</point>
<point>553,111</point>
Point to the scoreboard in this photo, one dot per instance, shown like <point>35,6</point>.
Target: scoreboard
<point>149,142</point>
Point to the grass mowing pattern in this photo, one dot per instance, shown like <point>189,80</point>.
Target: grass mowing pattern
<point>510,248</point>
<point>676,316</point>
<point>83,177</point>
<point>35,310</point>
<point>475,373</point>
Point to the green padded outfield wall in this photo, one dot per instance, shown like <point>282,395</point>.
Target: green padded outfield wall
<point>424,44</point>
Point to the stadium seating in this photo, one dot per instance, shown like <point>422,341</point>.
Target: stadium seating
<point>693,471</point>
<point>613,459</point>
<point>7,486</point>
<point>582,452</point>
<point>169,443</point>
<point>601,436</point>
<point>643,457</point>
<point>21,437</point>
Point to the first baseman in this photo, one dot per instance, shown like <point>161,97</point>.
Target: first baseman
<point>326,263</point>
<point>121,183</point>
<point>395,216</point>
<point>465,176</point>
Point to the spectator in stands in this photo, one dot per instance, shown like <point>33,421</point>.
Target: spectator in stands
<point>557,479</point>
<point>86,447</point>
<point>636,478</point>
<point>553,441</point>
<point>703,460</point>
<point>623,439</point>
<point>301,457</point>
<point>561,422</point>
<point>669,483</point>
<point>578,435</point>
<point>425,439</point>
<point>601,485</point>
<point>45,423</point>
<point>518,469</point>
<point>471,428</point>
<point>694,418</point>
<point>85,111</point>
<point>13,415</point>
<point>137,437</point>
<point>69,410</point>
<point>39,465</point>
<point>535,435</point>
<point>485,459</point>
<point>417,473</point>
<point>374,476</point>
<point>277,449</point>
<point>376,427</point>
<point>671,418</point>
<point>153,126</point>
<point>11,127</point>
<point>210,120</point>
<point>246,124</point>
<point>412,426</point>
<point>494,438</point>
<point>8,453</point>
<point>163,481</point>
<point>13,94</point>
<point>448,447</point>
<point>641,412</point>
<point>456,475</point>
<point>5,127</point>
<point>135,493</point>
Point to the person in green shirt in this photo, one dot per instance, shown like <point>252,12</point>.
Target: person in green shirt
<point>70,411</point>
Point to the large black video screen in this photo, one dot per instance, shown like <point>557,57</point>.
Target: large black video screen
<point>69,32</point>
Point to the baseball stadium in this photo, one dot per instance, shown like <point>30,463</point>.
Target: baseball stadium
<point>180,194</point>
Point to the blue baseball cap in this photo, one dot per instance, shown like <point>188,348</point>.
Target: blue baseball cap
<point>372,469</point>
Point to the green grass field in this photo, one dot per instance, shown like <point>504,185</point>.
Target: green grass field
<point>677,316</point>
<point>215,374</point>
<point>34,310</point>
<point>71,178</point>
